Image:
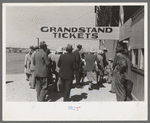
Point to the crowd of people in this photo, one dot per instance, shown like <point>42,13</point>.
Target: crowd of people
<point>43,70</point>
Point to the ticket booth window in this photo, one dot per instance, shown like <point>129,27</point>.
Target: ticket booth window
<point>135,58</point>
<point>141,59</point>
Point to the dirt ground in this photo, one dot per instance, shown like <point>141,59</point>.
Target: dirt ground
<point>18,90</point>
<point>15,63</point>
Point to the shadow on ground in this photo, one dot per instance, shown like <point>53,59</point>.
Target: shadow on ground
<point>9,82</point>
<point>79,97</point>
<point>52,95</point>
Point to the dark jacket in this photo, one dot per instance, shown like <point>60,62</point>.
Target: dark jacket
<point>66,63</point>
<point>90,62</point>
<point>41,62</point>
<point>105,60</point>
<point>122,68</point>
<point>77,58</point>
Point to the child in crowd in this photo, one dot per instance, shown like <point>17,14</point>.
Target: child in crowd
<point>82,68</point>
<point>109,70</point>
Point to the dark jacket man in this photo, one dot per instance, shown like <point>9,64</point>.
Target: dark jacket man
<point>78,60</point>
<point>121,74</point>
<point>66,63</point>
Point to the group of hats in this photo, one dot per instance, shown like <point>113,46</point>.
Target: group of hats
<point>43,43</point>
<point>92,50</point>
<point>121,49</point>
<point>34,47</point>
<point>70,48</point>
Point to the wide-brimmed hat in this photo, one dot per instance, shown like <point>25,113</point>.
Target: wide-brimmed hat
<point>48,51</point>
<point>105,49</point>
<point>69,47</point>
<point>100,52</point>
<point>43,43</point>
<point>92,50</point>
<point>110,59</point>
<point>120,49</point>
<point>79,46</point>
<point>36,47</point>
<point>31,47</point>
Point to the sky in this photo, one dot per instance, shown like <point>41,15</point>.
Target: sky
<point>23,24</point>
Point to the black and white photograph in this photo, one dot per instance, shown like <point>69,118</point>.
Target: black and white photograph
<point>86,60</point>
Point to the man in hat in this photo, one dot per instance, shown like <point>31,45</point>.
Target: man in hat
<point>32,86</point>
<point>90,67</point>
<point>41,62</point>
<point>104,57</point>
<point>100,67</point>
<point>78,60</point>
<point>120,73</point>
<point>27,64</point>
<point>66,63</point>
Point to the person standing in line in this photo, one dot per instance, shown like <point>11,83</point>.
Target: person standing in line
<point>109,70</point>
<point>90,67</point>
<point>121,73</point>
<point>105,60</point>
<point>42,64</point>
<point>100,65</point>
<point>67,65</point>
<point>82,68</point>
<point>50,80</point>
<point>54,74</point>
<point>27,64</point>
<point>78,60</point>
<point>104,57</point>
<point>25,67</point>
<point>32,86</point>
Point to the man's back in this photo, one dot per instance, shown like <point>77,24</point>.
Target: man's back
<point>41,64</point>
<point>90,59</point>
<point>67,65</point>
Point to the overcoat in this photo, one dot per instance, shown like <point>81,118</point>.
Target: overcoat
<point>67,65</point>
<point>77,58</point>
<point>41,62</point>
<point>121,76</point>
<point>27,63</point>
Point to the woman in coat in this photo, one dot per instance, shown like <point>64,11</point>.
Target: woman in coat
<point>100,66</point>
<point>27,63</point>
<point>90,67</point>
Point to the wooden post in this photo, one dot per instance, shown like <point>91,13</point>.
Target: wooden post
<point>38,42</point>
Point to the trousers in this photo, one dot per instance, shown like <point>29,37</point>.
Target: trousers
<point>42,88</point>
<point>77,74</point>
<point>32,79</point>
<point>66,88</point>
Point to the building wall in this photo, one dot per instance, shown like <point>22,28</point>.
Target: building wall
<point>111,46</point>
<point>136,41</point>
<point>133,31</point>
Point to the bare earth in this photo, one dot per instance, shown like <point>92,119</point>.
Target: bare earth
<point>17,90</point>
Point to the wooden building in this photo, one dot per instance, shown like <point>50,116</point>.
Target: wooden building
<point>132,37</point>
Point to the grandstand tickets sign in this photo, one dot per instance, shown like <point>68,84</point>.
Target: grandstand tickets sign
<point>81,32</point>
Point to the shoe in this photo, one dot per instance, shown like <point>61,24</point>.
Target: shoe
<point>81,84</point>
<point>73,86</point>
<point>78,86</point>
<point>112,91</point>
<point>32,88</point>
<point>90,89</point>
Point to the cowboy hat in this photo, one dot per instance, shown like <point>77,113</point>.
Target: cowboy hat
<point>92,50</point>
<point>69,47</point>
<point>100,52</point>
